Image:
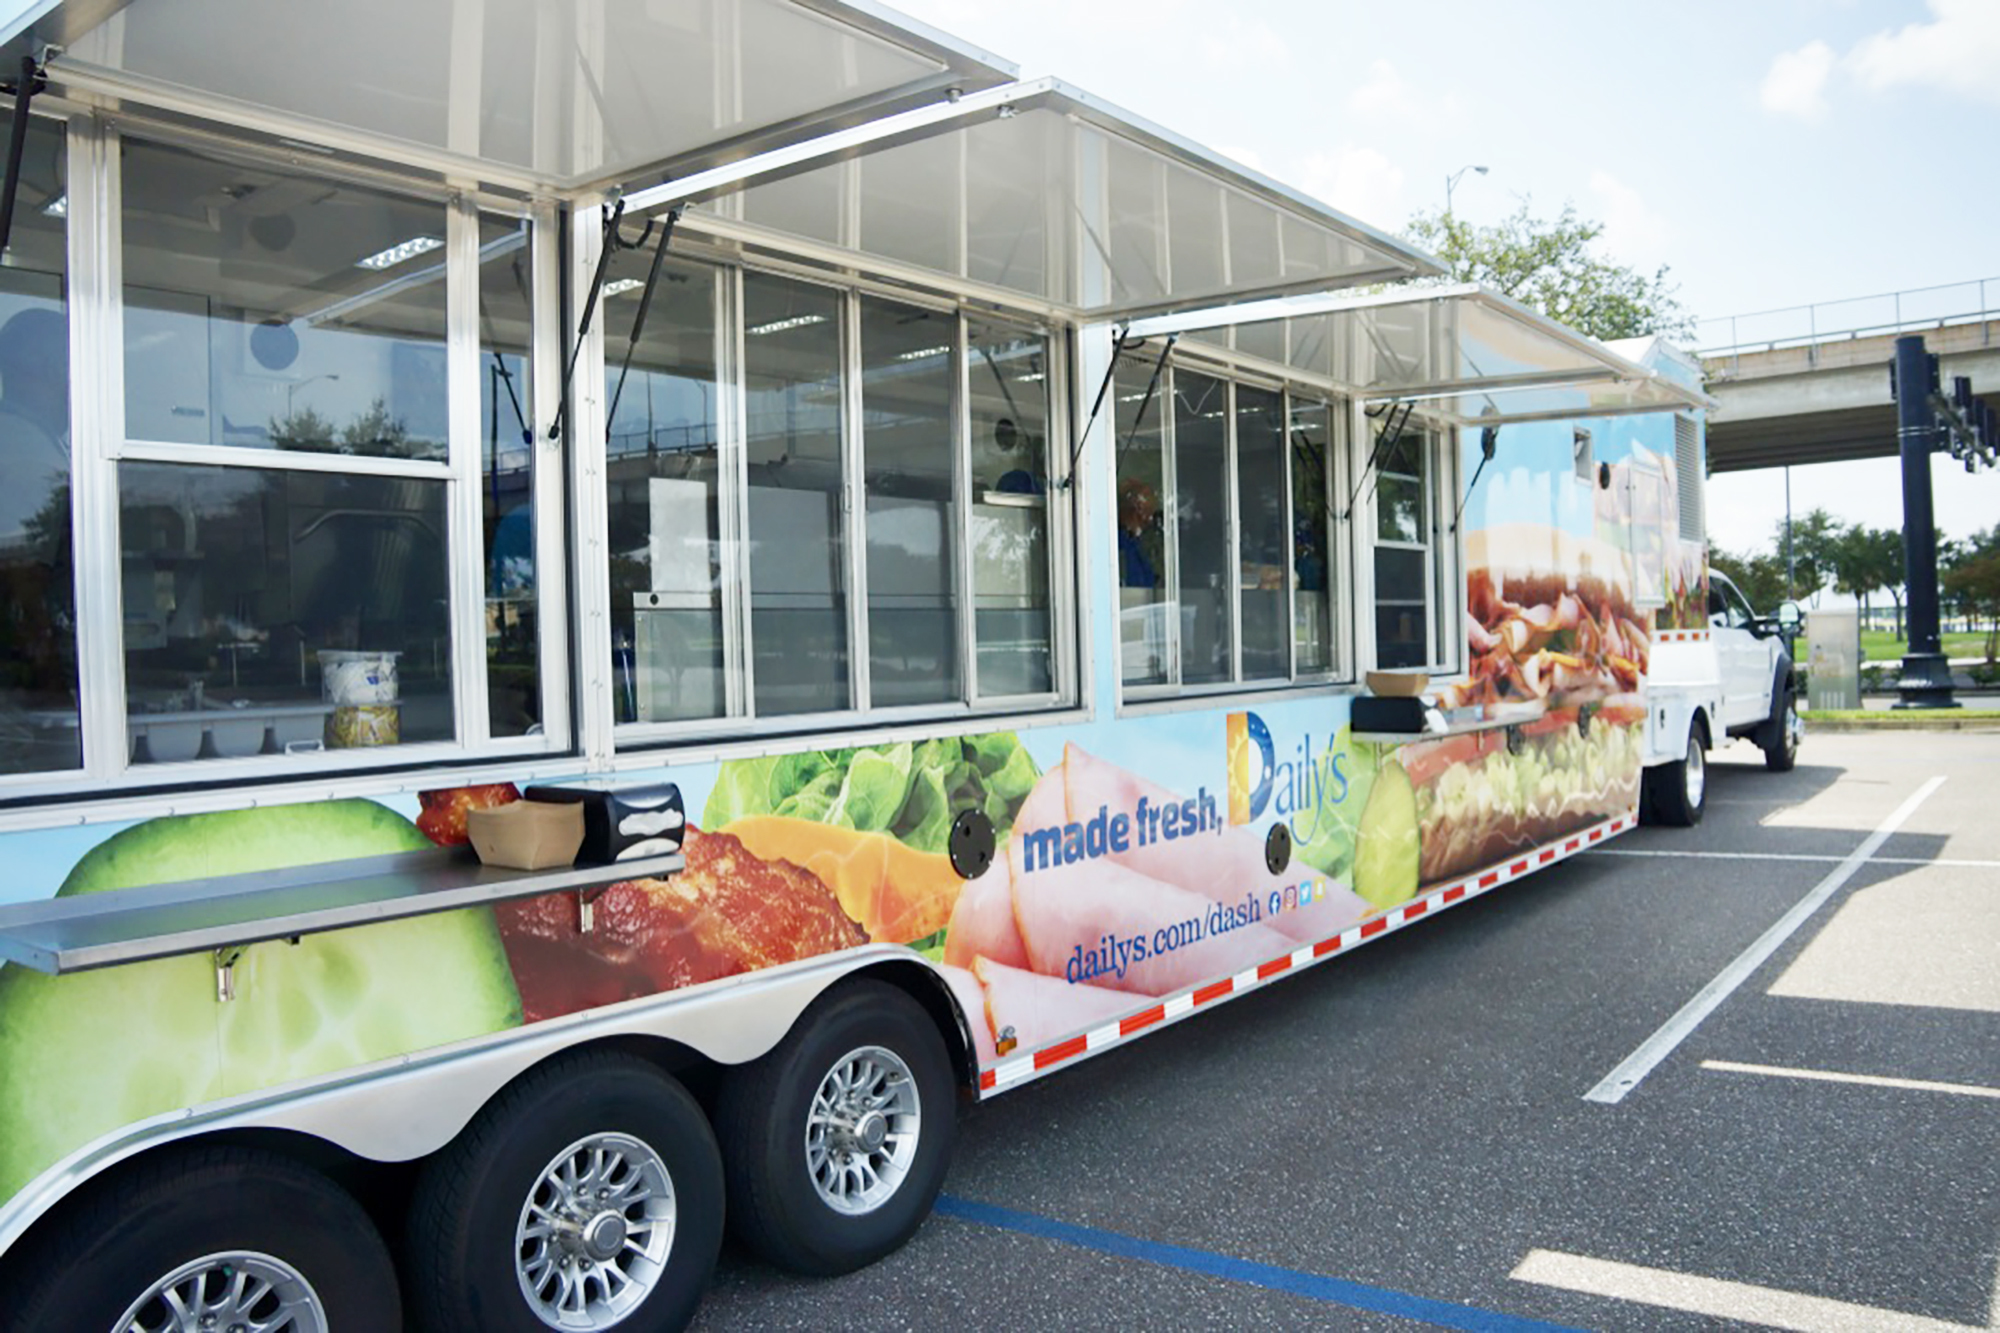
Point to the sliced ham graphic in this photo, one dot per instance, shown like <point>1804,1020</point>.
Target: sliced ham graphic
<point>1044,1009</point>
<point>1222,866</point>
<point>982,921</point>
<point>1061,908</point>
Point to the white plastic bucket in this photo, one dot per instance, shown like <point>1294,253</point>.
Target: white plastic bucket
<point>357,680</point>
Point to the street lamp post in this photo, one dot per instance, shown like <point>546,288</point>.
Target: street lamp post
<point>296,385</point>
<point>1451,183</point>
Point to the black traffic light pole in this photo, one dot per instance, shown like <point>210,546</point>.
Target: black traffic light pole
<point>1926,680</point>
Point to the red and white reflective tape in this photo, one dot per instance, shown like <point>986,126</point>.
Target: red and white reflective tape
<point>1680,636</point>
<point>1016,1070</point>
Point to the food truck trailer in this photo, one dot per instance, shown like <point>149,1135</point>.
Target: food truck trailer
<point>951,549</point>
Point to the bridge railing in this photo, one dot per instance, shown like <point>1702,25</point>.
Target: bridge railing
<point>1975,302</point>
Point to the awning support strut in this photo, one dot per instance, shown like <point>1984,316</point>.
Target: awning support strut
<point>1118,345</point>
<point>25,87</point>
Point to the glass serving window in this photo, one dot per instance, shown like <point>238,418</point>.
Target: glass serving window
<point>1145,606</point>
<point>291,525</point>
<point>1230,579</point>
<point>797,476</point>
<point>1201,525</point>
<point>909,357</point>
<point>1264,579</point>
<point>269,610</point>
<point>663,476</point>
<point>39,714</point>
<point>1403,555</point>
<point>1008,396</point>
<point>1314,552</point>
<point>267,308</point>
<point>507,478</point>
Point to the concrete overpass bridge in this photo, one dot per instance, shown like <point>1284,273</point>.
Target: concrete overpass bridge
<point>1810,384</point>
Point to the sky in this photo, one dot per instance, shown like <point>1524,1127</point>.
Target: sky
<point>1772,154</point>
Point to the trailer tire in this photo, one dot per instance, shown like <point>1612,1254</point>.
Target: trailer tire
<point>1677,794</point>
<point>1778,738</point>
<point>506,1235</point>
<point>835,1143</point>
<point>190,1222</point>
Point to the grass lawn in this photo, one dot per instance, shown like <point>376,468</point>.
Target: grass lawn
<point>1881,646</point>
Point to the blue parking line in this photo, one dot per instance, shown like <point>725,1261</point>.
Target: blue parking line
<point>1313,1286</point>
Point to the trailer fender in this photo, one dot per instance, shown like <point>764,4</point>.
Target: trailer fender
<point>405,1109</point>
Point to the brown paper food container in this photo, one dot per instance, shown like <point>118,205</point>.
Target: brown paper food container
<point>526,835</point>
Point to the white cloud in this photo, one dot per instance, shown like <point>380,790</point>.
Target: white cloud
<point>1631,228</point>
<point>1384,93</point>
<point>1958,51</point>
<point>1796,83</point>
<point>1245,156</point>
<point>1359,181</point>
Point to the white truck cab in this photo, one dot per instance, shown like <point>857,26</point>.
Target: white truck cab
<point>1733,679</point>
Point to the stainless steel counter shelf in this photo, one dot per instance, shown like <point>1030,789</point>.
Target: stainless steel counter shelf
<point>228,911</point>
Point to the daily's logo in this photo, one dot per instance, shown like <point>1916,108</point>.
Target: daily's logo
<point>1298,788</point>
<point>1252,767</point>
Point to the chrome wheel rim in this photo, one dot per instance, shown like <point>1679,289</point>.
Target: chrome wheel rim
<point>1695,774</point>
<point>862,1130</point>
<point>235,1291</point>
<point>594,1234</point>
<point>1793,728</point>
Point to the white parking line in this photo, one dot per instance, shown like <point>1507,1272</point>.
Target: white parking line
<point>1871,1080</point>
<point>1718,1299</point>
<point>1612,1088</point>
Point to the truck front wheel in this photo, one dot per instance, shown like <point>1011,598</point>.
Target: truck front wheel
<point>835,1143</point>
<point>586,1195</point>
<point>211,1238</point>
<point>1778,738</point>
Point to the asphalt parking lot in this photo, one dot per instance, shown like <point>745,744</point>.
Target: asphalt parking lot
<point>1746,1075</point>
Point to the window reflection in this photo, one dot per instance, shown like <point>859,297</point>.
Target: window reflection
<point>1402,560</point>
<point>665,538</point>
<point>38,679</point>
<point>908,355</point>
<point>270,309</point>
<point>1201,516</point>
<point>1264,577</point>
<point>270,610</point>
<point>1008,374</point>
<point>798,577</point>
<point>1145,645</point>
<point>507,474</point>
<point>1313,565</point>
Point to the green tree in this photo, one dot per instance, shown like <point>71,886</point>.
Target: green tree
<point>1814,553</point>
<point>1970,575</point>
<point>1759,575</point>
<point>1549,264</point>
<point>1868,560</point>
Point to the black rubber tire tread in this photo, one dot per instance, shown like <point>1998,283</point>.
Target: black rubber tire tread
<point>99,1251</point>
<point>459,1280</point>
<point>761,1117</point>
<point>1778,757</point>
<point>1664,790</point>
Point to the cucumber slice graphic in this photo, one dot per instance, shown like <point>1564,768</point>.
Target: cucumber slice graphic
<point>85,1053</point>
<point>1387,852</point>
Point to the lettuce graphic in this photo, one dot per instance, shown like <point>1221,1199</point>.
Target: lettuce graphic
<point>909,790</point>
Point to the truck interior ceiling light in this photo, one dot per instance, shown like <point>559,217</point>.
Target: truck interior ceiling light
<point>780,325</point>
<point>402,250</point>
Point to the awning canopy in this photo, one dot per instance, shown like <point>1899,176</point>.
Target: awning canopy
<point>539,94</point>
<point>1040,190</point>
<point>1463,354</point>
